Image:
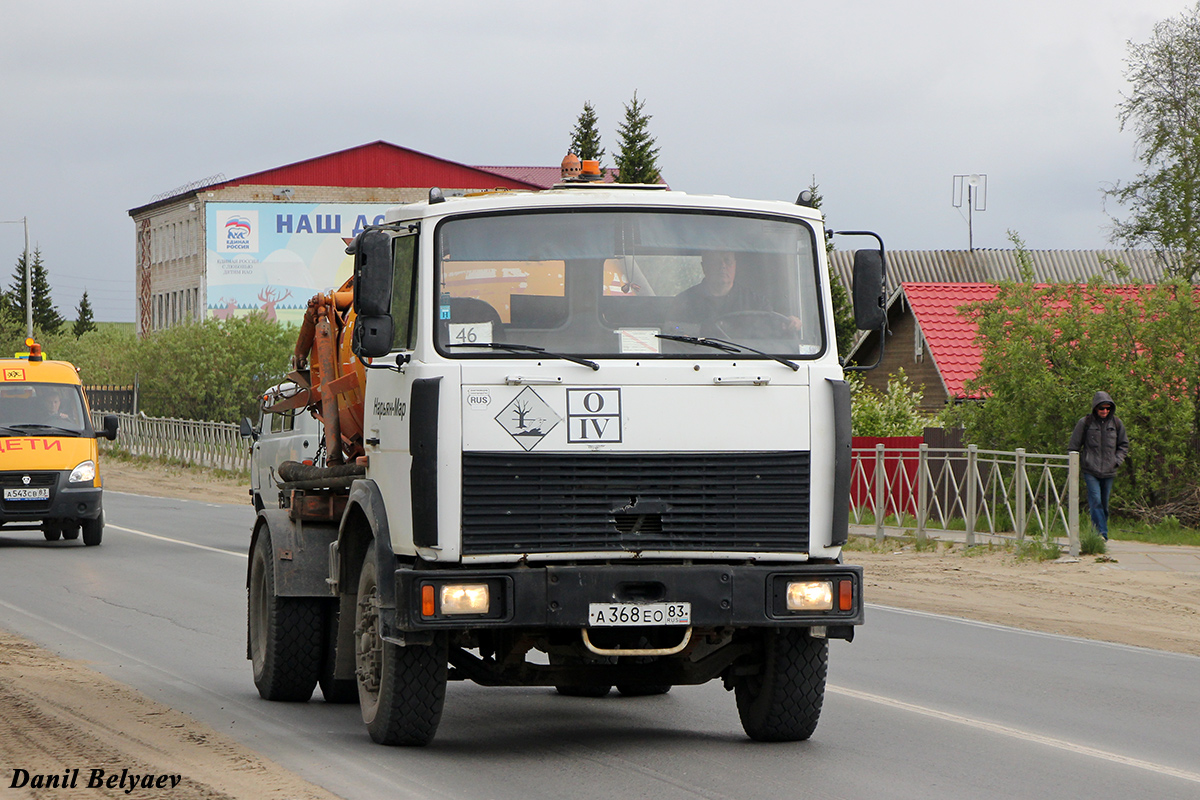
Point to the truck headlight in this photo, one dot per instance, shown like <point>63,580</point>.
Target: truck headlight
<point>464,598</point>
<point>84,473</point>
<point>809,596</point>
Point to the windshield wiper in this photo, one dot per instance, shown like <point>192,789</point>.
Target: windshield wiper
<point>528,348</point>
<point>726,346</point>
<point>24,427</point>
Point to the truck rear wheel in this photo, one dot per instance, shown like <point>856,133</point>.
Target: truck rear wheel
<point>285,632</point>
<point>51,530</point>
<point>782,701</point>
<point>401,690</point>
<point>333,689</point>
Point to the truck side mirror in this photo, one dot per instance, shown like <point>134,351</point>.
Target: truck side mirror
<point>372,336</point>
<point>373,274</point>
<point>870,310</point>
<point>110,427</point>
<point>246,429</point>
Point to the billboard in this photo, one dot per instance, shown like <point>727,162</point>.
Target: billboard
<point>273,257</point>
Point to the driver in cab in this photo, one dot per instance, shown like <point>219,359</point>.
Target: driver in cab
<point>719,293</point>
<point>52,410</point>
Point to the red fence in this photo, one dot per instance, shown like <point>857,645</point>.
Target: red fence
<point>900,454</point>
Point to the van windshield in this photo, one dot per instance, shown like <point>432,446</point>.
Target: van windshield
<point>40,408</point>
<point>609,282</point>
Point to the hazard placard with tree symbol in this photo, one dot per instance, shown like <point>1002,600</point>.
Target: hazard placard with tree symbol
<point>527,418</point>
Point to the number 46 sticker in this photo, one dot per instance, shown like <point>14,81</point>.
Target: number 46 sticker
<point>470,332</point>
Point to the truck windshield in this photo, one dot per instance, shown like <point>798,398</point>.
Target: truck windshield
<point>41,408</point>
<point>607,283</point>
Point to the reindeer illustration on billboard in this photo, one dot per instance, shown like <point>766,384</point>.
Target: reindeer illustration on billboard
<point>269,297</point>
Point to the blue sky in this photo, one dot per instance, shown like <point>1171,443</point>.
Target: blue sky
<point>107,105</point>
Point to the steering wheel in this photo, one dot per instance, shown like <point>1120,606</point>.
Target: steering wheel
<point>754,325</point>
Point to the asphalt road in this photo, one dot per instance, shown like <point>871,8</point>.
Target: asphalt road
<point>918,706</point>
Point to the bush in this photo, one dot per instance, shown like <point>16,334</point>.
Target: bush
<point>895,412</point>
<point>1046,350</point>
<point>214,370</point>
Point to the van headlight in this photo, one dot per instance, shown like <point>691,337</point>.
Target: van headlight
<point>84,473</point>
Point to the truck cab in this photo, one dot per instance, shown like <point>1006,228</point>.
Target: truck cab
<point>287,435</point>
<point>605,441</point>
<point>49,461</point>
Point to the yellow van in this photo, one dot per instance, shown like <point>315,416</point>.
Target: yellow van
<point>49,465</point>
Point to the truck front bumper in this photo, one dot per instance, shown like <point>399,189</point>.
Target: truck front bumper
<point>720,595</point>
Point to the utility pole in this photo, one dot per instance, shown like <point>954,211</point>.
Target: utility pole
<point>28,276</point>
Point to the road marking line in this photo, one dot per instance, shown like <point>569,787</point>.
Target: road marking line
<point>178,541</point>
<point>997,626</point>
<point>1017,733</point>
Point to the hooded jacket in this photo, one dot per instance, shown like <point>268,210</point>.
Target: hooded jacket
<point>1102,443</point>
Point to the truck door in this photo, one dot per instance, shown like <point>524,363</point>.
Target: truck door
<point>388,412</point>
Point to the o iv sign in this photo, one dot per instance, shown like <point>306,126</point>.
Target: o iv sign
<point>593,416</point>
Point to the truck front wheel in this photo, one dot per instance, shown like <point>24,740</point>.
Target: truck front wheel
<point>285,632</point>
<point>401,690</point>
<point>782,701</point>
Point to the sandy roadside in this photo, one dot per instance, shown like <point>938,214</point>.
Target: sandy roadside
<point>57,716</point>
<point>1088,598</point>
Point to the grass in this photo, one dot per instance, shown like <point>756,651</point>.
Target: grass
<point>1037,548</point>
<point>1169,531</point>
<point>1091,543</point>
<point>984,549</point>
<point>125,457</point>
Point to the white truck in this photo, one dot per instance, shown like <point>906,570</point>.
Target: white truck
<point>589,437</point>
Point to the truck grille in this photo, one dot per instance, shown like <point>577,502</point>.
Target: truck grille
<point>576,502</point>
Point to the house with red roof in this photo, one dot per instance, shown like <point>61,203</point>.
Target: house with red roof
<point>931,340</point>
<point>940,338</point>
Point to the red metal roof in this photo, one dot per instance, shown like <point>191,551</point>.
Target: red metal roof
<point>950,335</point>
<point>380,164</point>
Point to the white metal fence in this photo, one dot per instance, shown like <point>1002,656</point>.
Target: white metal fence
<point>972,492</point>
<point>968,491</point>
<point>207,444</point>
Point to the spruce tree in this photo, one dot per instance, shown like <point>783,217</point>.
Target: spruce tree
<point>637,162</point>
<point>585,139</point>
<point>83,317</point>
<point>45,316</point>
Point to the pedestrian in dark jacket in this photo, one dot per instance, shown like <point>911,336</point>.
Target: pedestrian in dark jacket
<point>1102,444</point>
